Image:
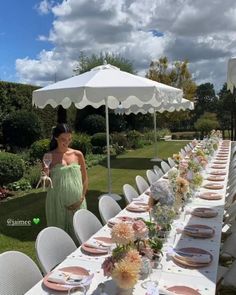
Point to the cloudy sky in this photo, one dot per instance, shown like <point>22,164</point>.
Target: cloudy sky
<point>40,41</point>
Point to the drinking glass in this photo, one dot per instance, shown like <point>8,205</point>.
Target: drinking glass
<point>148,270</point>
<point>47,159</point>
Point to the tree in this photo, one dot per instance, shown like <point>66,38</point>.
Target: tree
<point>226,103</point>
<point>206,123</point>
<point>176,75</point>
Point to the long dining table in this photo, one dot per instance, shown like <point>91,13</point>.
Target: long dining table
<point>167,273</point>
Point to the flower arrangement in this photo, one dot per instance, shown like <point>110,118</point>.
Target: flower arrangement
<point>132,242</point>
<point>177,158</point>
<point>160,193</point>
<point>163,216</point>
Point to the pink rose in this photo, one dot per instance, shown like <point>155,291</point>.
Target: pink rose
<point>108,266</point>
<point>140,229</point>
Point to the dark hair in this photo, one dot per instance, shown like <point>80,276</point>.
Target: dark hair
<point>57,131</point>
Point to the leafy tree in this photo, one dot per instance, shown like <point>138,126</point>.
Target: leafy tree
<point>176,75</point>
<point>206,123</point>
<point>226,110</point>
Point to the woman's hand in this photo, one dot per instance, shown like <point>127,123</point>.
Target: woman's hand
<point>76,206</point>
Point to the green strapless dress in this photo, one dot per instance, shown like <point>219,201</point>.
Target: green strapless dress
<point>67,189</point>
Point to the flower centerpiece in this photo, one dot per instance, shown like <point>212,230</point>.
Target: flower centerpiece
<point>125,263</point>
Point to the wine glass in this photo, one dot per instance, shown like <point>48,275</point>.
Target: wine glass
<point>147,267</point>
<point>47,159</point>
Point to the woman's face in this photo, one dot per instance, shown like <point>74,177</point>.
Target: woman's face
<point>64,140</point>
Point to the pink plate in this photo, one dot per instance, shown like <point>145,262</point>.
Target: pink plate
<point>218,167</point>
<point>184,260</point>
<point>204,212</point>
<point>213,185</point>
<point>103,239</point>
<point>216,172</point>
<point>198,233</point>
<point>210,196</point>
<point>183,290</point>
<point>93,251</point>
<point>215,178</point>
<point>137,208</point>
<point>220,162</point>
<point>72,269</point>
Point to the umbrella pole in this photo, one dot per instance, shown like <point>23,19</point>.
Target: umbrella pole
<point>113,196</point>
<point>155,159</point>
<point>108,148</point>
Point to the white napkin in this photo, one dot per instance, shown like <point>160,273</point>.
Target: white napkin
<point>92,243</point>
<point>63,277</point>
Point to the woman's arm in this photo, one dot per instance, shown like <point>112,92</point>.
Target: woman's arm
<point>81,161</point>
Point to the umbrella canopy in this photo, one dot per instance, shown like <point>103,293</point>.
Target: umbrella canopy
<point>231,74</point>
<point>102,83</point>
<point>183,105</point>
<point>106,85</point>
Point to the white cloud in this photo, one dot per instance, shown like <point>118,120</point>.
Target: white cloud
<point>205,36</point>
<point>44,7</point>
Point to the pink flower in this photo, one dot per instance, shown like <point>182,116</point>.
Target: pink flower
<point>140,229</point>
<point>108,266</point>
<point>122,233</point>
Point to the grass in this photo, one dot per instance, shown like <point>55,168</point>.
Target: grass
<point>32,205</point>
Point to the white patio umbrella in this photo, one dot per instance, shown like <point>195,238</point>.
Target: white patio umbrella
<point>105,85</point>
<point>183,105</point>
<point>231,74</point>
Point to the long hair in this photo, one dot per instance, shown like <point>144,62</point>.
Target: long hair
<point>57,131</point>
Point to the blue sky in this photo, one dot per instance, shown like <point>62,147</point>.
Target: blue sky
<point>139,30</point>
<point>19,30</point>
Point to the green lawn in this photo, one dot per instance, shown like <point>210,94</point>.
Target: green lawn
<point>124,170</point>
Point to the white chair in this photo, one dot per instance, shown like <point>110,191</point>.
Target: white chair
<point>141,183</point>
<point>158,170</point>
<point>129,192</point>
<point>108,208</point>
<point>229,278</point>
<point>165,167</point>
<point>18,273</point>
<point>85,224</point>
<point>171,162</point>
<point>53,245</point>
<point>183,152</point>
<point>152,176</point>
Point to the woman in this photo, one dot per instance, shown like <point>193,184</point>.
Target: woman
<point>69,178</point>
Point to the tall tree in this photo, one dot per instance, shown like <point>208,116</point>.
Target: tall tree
<point>176,75</point>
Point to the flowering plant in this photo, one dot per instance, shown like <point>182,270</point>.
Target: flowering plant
<point>132,242</point>
<point>177,158</point>
<point>160,192</point>
<point>163,216</point>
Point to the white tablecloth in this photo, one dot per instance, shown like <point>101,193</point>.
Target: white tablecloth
<point>168,273</point>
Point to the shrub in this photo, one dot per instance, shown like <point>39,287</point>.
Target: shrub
<point>33,173</point>
<point>134,139</point>
<point>92,160</point>
<point>81,142</point>
<point>94,124</point>
<point>20,185</point>
<point>99,139</point>
<point>21,129</point>
<point>38,149</point>
<point>11,168</point>
<point>119,139</point>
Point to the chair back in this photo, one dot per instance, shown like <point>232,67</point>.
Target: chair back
<point>141,183</point>
<point>129,192</point>
<point>152,176</point>
<point>53,245</point>
<point>108,208</point>
<point>165,167</point>
<point>85,224</point>
<point>18,273</point>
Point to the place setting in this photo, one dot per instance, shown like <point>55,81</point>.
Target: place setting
<point>97,246</point>
<point>210,196</point>
<point>196,231</point>
<point>137,207</point>
<point>218,172</point>
<point>190,257</point>
<point>111,222</point>
<point>204,212</point>
<point>215,178</point>
<point>213,186</point>
<point>68,278</point>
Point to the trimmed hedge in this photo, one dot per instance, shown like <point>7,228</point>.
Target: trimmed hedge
<point>94,124</point>
<point>99,140</point>
<point>21,129</point>
<point>11,168</point>
<point>39,148</point>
